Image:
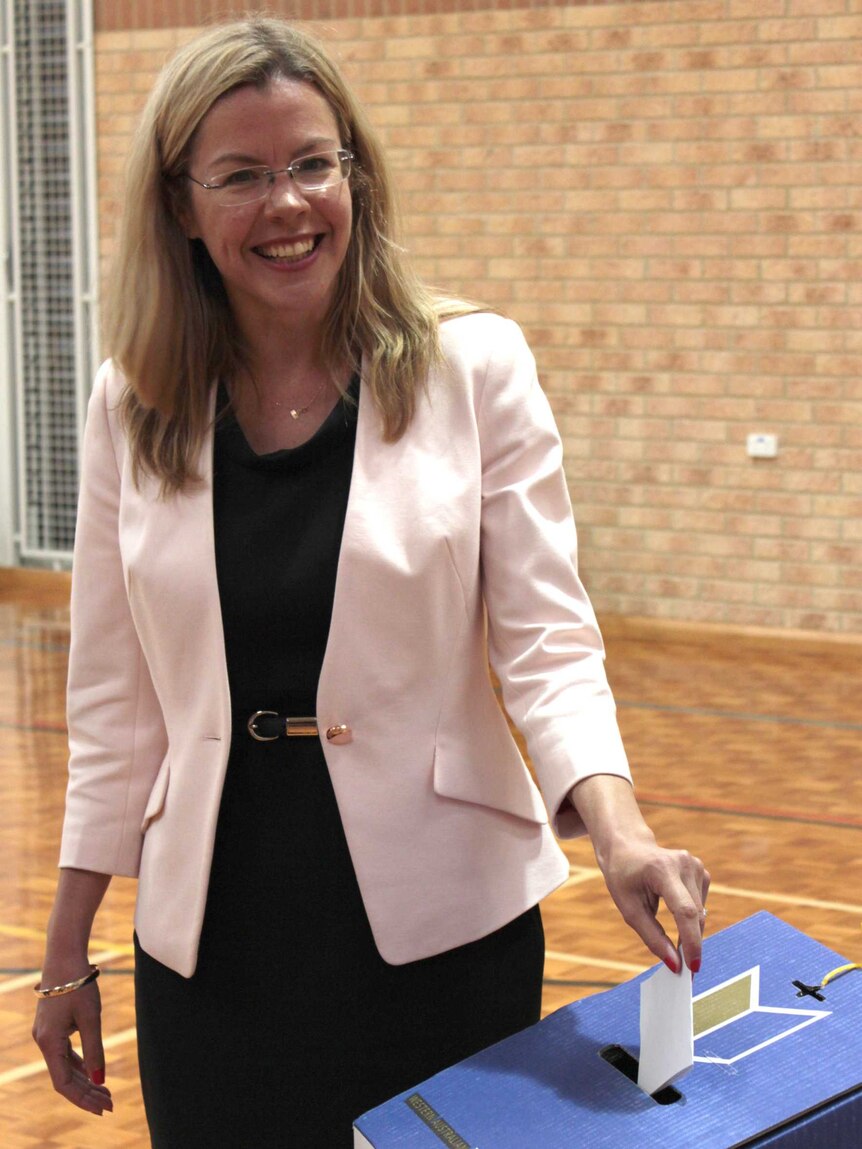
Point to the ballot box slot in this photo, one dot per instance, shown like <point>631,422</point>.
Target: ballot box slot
<point>627,1065</point>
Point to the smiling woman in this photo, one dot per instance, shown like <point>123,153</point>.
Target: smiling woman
<point>310,512</point>
<point>278,246</point>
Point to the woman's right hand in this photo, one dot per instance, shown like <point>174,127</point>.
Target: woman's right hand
<point>78,1079</point>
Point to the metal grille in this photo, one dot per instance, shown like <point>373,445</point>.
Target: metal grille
<point>48,247</point>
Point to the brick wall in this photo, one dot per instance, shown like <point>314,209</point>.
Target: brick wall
<point>667,196</point>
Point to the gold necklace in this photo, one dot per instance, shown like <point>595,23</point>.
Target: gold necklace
<point>298,412</point>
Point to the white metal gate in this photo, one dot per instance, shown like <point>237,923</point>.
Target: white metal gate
<point>48,234</point>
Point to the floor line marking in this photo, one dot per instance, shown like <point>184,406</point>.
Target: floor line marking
<point>580,874</point>
<point>601,963</point>
<point>834,822</point>
<point>34,1067</point>
<point>33,728</point>
<point>784,899</point>
<point>585,873</point>
<point>739,715</point>
<point>48,647</point>
<point>25,980</point>
<point>40,935</point>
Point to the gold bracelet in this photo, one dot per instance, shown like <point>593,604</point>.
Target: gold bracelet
<point>70,986</point>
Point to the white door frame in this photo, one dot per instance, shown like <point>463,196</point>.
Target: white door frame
<point>16,544</point>
<point>8,470</point>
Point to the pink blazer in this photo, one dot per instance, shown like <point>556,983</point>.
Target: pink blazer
<point>466,517</point>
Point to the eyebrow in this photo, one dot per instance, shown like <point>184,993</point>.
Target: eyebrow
<point>318,143</point>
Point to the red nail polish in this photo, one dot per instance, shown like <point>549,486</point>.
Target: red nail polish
<point>695,966</point>
<point>671,965</point>
<point>98,1077</point>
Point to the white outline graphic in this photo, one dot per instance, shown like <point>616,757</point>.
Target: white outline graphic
<point>754,1006</point>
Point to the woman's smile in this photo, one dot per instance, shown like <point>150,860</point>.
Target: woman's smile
<point>286,251</point>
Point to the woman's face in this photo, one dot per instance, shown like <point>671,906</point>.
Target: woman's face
<point>279,257</point>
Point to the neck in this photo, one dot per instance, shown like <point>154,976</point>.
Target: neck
<point>287,382</point>
<point>284,368</point>
<point>285,357</point>
<point>279,339</point>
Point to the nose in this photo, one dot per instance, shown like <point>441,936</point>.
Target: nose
<point>283,188</point>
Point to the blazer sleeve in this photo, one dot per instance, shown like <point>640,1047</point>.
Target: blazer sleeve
<point>117,738</point>
<point>544,641</point>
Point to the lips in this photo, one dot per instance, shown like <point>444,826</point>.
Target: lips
<point>288,252</point>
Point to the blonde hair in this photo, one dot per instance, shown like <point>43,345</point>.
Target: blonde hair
<point>170,328</point>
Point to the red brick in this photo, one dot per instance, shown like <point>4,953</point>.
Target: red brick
<point>688,262</point>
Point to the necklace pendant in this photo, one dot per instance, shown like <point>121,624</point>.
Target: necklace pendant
<point>294,414</point>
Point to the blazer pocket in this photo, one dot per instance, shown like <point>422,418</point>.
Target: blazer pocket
<point>156,800</point>
<point>503,783</point>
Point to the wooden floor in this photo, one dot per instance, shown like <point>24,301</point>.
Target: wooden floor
<point>748,754</point>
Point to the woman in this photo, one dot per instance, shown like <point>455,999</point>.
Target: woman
<point>306,480</point>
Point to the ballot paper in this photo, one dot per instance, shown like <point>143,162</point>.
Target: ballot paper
<point>667,1028</point>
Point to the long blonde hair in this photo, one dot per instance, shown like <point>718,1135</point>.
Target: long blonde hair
<point>170,328</point>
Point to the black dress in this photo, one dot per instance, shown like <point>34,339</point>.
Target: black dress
<point>293,1024</point>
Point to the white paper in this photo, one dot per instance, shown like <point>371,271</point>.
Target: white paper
<point>667,1028</point>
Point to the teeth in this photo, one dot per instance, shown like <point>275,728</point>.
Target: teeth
<point>287,250</point>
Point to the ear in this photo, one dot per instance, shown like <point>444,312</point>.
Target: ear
<point>181,209</point>
<point>185,218</point>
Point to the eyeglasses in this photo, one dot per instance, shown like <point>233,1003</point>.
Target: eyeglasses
<point>315,173</point>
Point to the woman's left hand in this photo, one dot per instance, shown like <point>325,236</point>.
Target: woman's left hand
<point>639,873</point>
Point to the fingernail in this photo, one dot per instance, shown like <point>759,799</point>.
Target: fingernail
<point>97,1077</point>
<point>695,966</point>
<point>671,965</point>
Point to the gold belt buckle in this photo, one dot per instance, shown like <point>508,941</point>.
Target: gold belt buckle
<point>305,727</point>
<point>253,730</point>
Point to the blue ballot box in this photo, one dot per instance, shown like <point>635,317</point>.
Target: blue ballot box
<point>771,1068</point>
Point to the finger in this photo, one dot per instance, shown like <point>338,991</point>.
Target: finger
<point>70,1080</point>
<point>69,1076</point>
<point>58,1059</point>
<point>704,887</point>
<point>90,1029</point>
<point>641,917</point>
<point>87,1096</point>
<point>83,1093</point>
<point>704,890</point>
<point>695,877</point>
<point>684,898</point>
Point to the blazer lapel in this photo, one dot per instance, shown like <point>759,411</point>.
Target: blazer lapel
<point>169,549</point>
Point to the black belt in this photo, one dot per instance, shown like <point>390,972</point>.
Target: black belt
<point>269,725</point>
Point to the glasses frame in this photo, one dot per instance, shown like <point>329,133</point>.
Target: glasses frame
<point>345,157</point>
